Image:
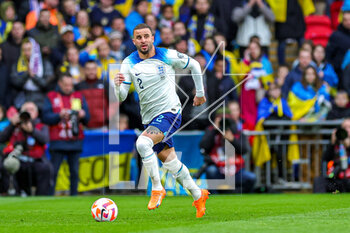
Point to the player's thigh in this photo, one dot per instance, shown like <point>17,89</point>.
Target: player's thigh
<point>153,133</point>
<point>167,154</point>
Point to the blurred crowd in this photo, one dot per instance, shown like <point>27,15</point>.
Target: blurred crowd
<point>55,57</point>
<point>43,40</point>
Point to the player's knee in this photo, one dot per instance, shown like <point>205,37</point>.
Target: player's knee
<point>174,166</point>
<point>144,144</point>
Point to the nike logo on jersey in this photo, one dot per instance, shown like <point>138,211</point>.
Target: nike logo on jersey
<point>137,74</point>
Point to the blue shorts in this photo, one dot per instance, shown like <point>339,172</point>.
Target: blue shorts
<point>168,123</point>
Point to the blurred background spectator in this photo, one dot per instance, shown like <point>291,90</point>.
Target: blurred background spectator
<point>295,74</point>
<point>12,46</point>
<point>55,18</point>
<point>309,98</point>
<point>325,70</point>
<point>8,16</point>
<point>31,74</point>
<point>4,80</point>
<point>282,73</point>
<point>118,24</point>
<point>45,33</point>
<point>136,16</point>
<point>167,38</point>
<point>259,73</point>
<point>118,50</point>
<point>213,148</point>
<point>340,107</point>
<point>65,112</point>
<point>201,24</point>
<point>290,23</point>
<point>166,19</point>
<point>103,13</point>
<point>152,21</point>
<point>81,27</point>
<point>253,19</point>
<point>186,91</point>
<point>72,66</point>
<point>65,42</point>
<point>95,91</point>
<point>274,107</point>
<point>336,51</point>
<point>27,135</point>
<point>69,11</point>
<point>336,156</point>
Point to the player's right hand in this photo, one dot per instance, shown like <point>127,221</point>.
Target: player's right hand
<point>119,79</point>
<point>198,101</point>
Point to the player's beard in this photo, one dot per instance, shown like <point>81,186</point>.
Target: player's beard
<point>144,52</point>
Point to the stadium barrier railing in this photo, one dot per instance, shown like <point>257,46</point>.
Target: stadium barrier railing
<point>313,138</point>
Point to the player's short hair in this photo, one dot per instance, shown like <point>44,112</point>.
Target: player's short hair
<point>142,26</point>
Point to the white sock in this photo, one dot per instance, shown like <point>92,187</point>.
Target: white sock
<point>182,175</point>
<point>144,146</point>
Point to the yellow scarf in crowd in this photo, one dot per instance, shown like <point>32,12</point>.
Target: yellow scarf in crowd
<point>35,62</point>
<point>22,64</point>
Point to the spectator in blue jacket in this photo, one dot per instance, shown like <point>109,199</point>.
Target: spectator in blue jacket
<point>273,106</point>
<point>324,69</point>
<point>137,16</point>
<point>339,43</point>
<point>296,74</point>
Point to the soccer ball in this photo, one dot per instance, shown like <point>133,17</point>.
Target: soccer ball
<point>104,210</point>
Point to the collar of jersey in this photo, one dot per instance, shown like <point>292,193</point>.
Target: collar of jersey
<point>159,54</point>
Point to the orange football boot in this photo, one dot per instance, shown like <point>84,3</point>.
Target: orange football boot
<point>156,199</point>
<point>200,203</point>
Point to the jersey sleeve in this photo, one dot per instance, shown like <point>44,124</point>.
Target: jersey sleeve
<point>122,90</point>
<point>125,70</point>
<point>177,59</point>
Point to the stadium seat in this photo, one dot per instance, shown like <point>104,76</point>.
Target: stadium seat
<point>318,29</point>
<point>335,10</point>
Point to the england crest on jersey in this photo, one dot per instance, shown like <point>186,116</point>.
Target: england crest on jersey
<point>161,71</point>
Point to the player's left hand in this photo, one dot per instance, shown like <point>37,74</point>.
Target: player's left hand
<point>198,101</point>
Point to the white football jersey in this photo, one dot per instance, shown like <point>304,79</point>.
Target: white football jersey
<point>154,81</point>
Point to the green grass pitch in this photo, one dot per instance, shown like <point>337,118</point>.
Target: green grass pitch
<point>229,213</point>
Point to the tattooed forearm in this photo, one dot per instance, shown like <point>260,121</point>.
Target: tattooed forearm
<point>153,130</point>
